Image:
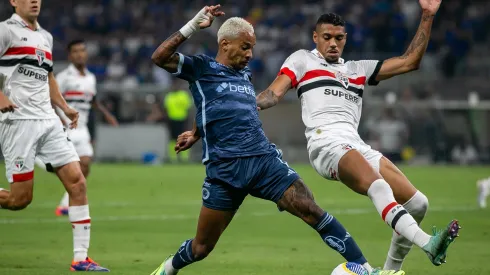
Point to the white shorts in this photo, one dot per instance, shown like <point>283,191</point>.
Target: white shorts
<point>22,141</point>
<point>80,137</point>
<point>326,148</point>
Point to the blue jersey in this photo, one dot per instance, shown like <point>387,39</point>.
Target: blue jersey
<point>227,116</point>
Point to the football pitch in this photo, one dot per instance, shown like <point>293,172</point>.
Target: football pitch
<point>141,214</point>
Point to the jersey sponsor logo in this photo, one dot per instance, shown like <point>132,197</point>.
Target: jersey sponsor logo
<point>33,74</point>
<point>338,93</point>
<point>24,39</point>
<point>244,89</point>
<point>335,243</point>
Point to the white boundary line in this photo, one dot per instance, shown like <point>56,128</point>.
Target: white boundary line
<point>348,211</point>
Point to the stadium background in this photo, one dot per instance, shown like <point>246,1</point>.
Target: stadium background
<point>141,213</point>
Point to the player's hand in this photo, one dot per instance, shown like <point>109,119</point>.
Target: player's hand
<point>206,16</point>
<point>185,141</point>
<point>430,6</point>
<point>5,104</point>
<point>72,114</point>
<point>113,121</point>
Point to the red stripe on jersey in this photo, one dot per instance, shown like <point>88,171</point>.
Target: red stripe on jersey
<point>73,93</point>
<point>26,50</point>
<point>317,73</point>
<point>23,177</point>
<point>387,209</point>
<point>290,74</point>
<point>81,222</point>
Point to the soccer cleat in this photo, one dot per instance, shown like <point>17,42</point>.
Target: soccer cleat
<point>378,271</point>
<point>439,243</point>
<point>483,192</point>
<point>61,211</point>
<point>87,265</point>
<point>161,269</point>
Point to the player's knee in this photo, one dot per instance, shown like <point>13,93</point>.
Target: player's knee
<point>19,202</point>
<point>85,169</point>
<point>418,205</point>
<point>201,251</point>
<point>78,188</point>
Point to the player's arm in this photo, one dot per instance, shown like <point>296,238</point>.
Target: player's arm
<point>107,115</point>
<point>411,59</point>
<point>276,91</point>
<point>165,55</point>
<point>59,101</point>
<point>5,38</point>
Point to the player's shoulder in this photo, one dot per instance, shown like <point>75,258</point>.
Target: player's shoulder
<point>47,34</point>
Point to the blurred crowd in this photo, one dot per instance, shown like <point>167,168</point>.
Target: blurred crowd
<point>122,34</point>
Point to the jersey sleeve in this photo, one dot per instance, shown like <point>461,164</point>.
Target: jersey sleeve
<point>190,68</point>
<point>5,39</point>
<point>371,69</point>
<point>294,67</point>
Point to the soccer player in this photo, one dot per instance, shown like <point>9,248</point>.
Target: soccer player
<point>78,87</point>
<point>30,127</point>
<point>331,91</point>
<point>239,159</point>
<point>483,191</point>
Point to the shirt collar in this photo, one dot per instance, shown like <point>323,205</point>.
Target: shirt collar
<point>317,53</point>
<point>19,19</point>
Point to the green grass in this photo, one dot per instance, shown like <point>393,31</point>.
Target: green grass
<point>142,214</point>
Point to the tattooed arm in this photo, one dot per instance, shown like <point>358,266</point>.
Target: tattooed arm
<point>276,91</point>
<point>411,59</point>
<point>165,55</point>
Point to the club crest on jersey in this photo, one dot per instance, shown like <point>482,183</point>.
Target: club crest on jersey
<point>41,55</point>
<point>343,79</point>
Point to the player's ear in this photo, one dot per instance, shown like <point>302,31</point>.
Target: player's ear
<point>224,44</point>
<point>315,37</point>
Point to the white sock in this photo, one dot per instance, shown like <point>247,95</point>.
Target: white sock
<point>400,247</point>
<point>65,200</point>
<point>40,164</point>
<point>394,214</point>
<point>368,267</point>
<point>80,220</point>
<point>169,268</point>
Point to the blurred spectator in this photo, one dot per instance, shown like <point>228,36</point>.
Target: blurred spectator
<point>390,134</point>
<point>464,153</point>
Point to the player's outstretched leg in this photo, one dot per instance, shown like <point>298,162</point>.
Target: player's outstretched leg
<point>414,201</point>
<point>72,178</point>
<point>358,174</point>
<point>211,224</point>
<point>298,200</point>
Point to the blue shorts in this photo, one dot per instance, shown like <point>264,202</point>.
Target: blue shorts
<point>229,181</point>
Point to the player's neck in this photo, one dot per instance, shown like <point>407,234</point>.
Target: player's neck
<point>31,22</point>
<point>80,69</point>
<point>223,60</point>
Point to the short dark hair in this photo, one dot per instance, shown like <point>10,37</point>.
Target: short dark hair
<point>13,9</point>
<point>73,43</point>
<point>330,18</point>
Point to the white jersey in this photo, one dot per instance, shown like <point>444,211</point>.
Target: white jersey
<point>26,60</point>
<point>330,93</point>
<point>78,90</point>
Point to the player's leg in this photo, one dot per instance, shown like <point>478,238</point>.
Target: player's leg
<point>414,201</point>
<point>19,150</point>
<point>58,152</point>
<point>220,203</point>
<point>483,187</point>
<point>357,173</point>
<point>281,184</point>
